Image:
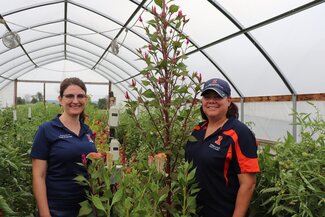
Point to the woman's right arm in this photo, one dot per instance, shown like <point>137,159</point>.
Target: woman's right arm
<point>39,187</point>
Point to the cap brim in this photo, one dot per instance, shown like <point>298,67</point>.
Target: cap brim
<point>219,92</point>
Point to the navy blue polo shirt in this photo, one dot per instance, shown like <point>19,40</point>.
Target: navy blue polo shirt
<point>62,149</point>
<point>219,158</point>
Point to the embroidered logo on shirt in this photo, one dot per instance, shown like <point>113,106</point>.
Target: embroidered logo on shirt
<point>89,138</point>
<point>196,128</point>
<point>219,140</point>
<point>65,136</point>
<point>217,148</point>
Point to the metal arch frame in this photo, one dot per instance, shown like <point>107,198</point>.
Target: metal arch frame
<point>260,48</point>
<point>121,30</point>
<point>80,62</point>
<point>115,73</point>
<point>75,23</point>
<point>201,49</point>
<point>59,34</point>
<point>65,21</point>
<point>104,74</point>
<point>214,3</point>
<point>257,45</point>
<point>85,58</point>
<point>54,35</point>
<point>206,55</point>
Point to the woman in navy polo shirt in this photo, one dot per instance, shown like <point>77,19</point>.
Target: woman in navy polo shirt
<point>58,146</point>
<point>224,153</point>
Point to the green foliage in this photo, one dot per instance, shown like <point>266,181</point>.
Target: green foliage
<point>139,192</point>
<point>16,139</point>
<point>292,181</point>
<point>15,163</point>
<point>156,126</point>
<point>169,99</point>
<point>102,103</point>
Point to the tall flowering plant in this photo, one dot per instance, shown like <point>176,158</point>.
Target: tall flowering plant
<point>155,181</point>
<point>170,94</point>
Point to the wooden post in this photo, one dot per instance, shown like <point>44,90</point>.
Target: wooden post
<point>44,88</point>
<point>15,93</point>
<point>108,96</point>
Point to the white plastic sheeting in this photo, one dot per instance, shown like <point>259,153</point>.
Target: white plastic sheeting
<point>263,48</point>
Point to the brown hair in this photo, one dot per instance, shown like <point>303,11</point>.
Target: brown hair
<point>232,112</point>
<point>73,81</point>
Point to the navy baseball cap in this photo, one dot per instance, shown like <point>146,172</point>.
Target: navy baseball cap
<point>218,85</point>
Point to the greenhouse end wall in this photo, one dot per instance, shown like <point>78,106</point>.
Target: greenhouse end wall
<point>272,120</point>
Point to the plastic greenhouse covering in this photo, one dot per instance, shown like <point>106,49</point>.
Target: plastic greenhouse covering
<point>271,52</point>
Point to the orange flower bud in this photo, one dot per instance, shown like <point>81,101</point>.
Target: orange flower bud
<point>94,155</point>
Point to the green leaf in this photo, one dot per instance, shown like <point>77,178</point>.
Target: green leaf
<point>307,182</point>
<point>117,196</point>
<point>80,179</point>
<point>272,189</point>
<point>145,83</point>
<point>282,208</point>
<point>159,3</point>
<point>162,198</point>
<point>85,209</point>
<point>183,89</point>
<point>98,203</point>
<point>181,66</point>
<point>162,64</point>
<point>191,175</point>
<point>149,93</point>
<point>177,44</point>
<point>173,8</point>
<point>153,37</point>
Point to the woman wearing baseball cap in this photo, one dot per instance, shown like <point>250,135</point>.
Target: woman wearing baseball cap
<point>224,154</point>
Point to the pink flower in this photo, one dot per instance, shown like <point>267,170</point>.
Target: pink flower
<point>154,10</point>
<point>145,56</point>
<point>127,95</point>
<point>83,159</point>
<point>187,40</point>
<point>200,77</point>
<point>133,83</point>
<point>180,14</point>
<point>163,14</point>
<point>140,19</point>
<point>148,75</point>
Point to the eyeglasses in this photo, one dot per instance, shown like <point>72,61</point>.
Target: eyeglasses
<point>72,96</point>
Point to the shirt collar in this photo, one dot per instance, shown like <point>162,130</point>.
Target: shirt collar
<point>56,122</point>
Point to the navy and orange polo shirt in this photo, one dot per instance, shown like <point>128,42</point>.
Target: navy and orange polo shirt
<point>218,159</point>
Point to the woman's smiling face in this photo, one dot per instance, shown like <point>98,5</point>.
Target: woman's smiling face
<point>73,101</point>
<point>214,106</point>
